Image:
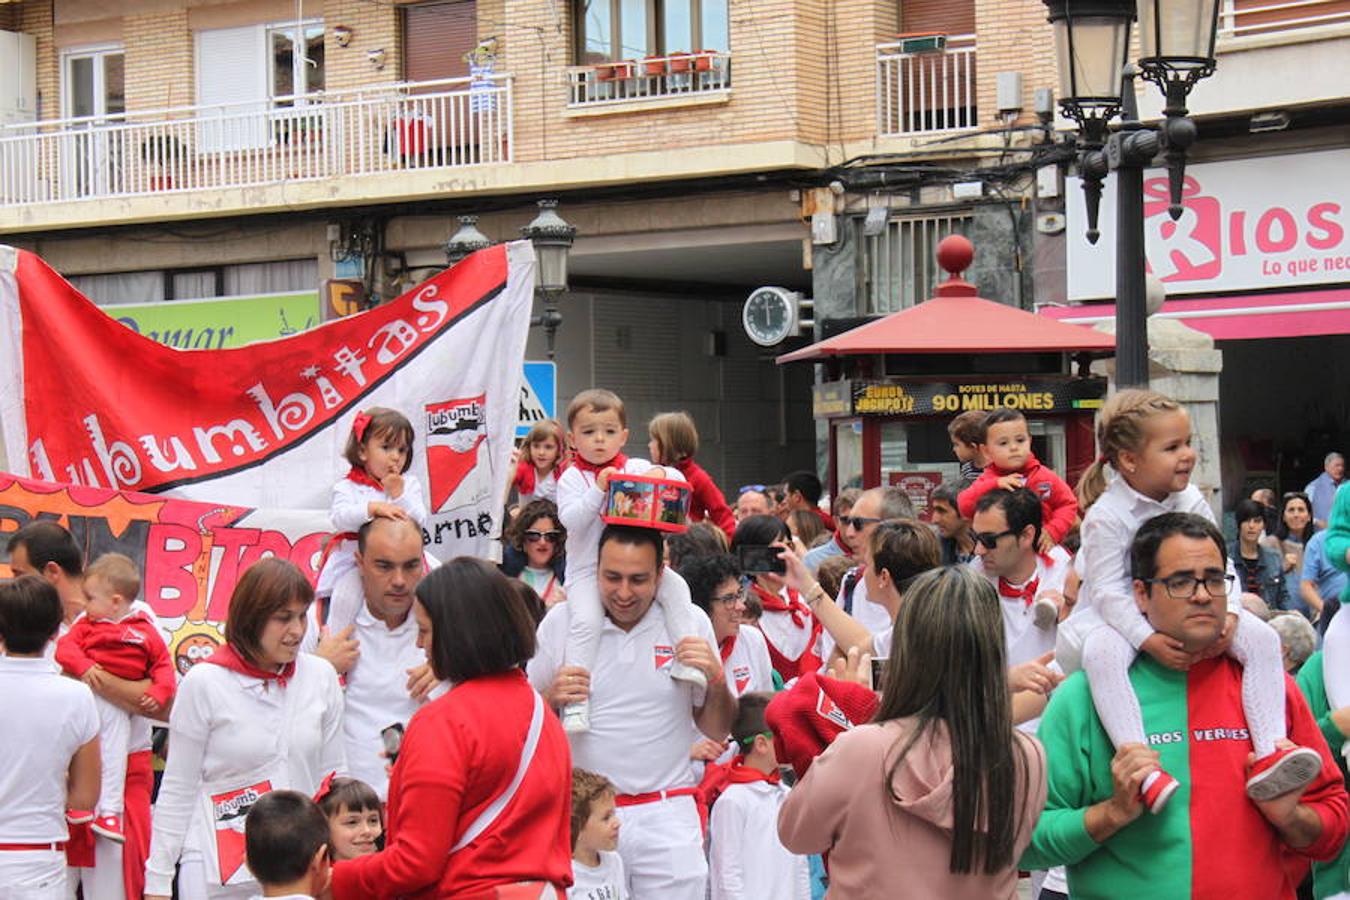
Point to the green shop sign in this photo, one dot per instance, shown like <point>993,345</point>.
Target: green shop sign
<point>220,323</point>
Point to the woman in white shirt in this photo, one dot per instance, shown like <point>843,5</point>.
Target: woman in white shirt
<point>256,716</point>
<point>49,743</point>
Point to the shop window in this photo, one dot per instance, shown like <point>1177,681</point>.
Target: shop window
<point>900,261</point>
<point>609,30</point>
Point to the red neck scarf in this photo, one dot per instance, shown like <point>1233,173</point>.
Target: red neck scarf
<point>618,462</point>
<point>361,476</point>
<point>775,603</point>
<point>841,543</point>
<point>740,773</point>
<point>727,645</point>
<point>1027,592</point>
<point>228,657</point>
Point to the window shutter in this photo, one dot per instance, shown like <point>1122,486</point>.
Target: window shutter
<point>951,17</point>
<point>232,68</point>
<point>435,38</point>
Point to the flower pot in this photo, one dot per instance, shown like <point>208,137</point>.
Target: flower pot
<point>703,61</point>
<point>654,65</point>
<point>681,62</point>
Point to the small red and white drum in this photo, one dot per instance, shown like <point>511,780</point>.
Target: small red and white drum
<point>658,503</point>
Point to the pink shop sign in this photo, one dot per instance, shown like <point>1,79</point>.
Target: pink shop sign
<point>1273,222</point>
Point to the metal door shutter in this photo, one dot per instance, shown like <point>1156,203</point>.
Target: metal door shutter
<point>435,38</point>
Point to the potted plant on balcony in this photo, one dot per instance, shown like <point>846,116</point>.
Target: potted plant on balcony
<point>681,61</point>
<point>162,154</point>
<point>654,65</point>
<point>703,60</point>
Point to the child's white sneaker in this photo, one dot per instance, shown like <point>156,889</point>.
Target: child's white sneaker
<point>576,717</point>
<point>682,672</point>
<point>1045,613</point>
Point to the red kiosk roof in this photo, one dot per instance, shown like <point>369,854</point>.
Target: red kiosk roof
<point>956,320</point>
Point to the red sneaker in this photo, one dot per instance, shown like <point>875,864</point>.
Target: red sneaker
<point>79,816</point>
<point>1157,789</point>
<point>109,827</point>
<point>1283,771</point>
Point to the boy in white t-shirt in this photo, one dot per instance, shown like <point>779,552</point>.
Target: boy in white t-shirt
<point>597,870</point>
<point>286,839</point>
<point>746,859</point>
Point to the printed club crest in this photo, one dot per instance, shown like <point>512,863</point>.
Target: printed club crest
<point>830,710</point>
<point>663,655</point>
<point>456,430</point>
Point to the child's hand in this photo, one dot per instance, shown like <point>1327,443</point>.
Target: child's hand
<point>1046,543</point>
<point>420,681</point>
<point>602,480</point>
<point>393,484</point>
<point>147,704</point>
<point>706,750</point>
<point>515,457</point>
<point>1012,481</point>
<point>1167,650</point>
<point>1034,675</point>
<point>1220,647</point>
<point>383,509</point>
<point>95,677</point>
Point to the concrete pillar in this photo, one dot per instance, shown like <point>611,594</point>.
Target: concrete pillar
<point>1185,365</point>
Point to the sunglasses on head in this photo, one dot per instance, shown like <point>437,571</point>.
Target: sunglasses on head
<point>746,488</point>
<point>550,536</point>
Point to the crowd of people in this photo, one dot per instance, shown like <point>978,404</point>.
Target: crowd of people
<point>775,698</point>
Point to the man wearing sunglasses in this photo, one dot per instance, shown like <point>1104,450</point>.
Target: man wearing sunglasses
<point>1212,840</point>
<point>873,507</point>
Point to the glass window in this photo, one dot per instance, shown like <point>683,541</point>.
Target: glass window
<point>848,454</point>
<point>293,75</point>
<point>114,84</point>
<point>713,24</point>
<point>82,86</point>
<point>633,29</point>
<point>598,31</point>
<point>678,22</point>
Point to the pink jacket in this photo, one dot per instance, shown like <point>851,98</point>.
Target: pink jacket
<point>876,844</point>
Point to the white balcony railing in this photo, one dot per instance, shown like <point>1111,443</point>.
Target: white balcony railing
<point>704,72</point>
<point>1245,18</point>
<point>426,125</point>
<point>927,91</point>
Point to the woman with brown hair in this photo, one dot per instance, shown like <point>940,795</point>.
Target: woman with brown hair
<point>479,799</point>
<point>938,793</point>
<point>257,715</point>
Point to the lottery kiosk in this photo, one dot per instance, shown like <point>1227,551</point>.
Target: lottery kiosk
<point>890,386</point>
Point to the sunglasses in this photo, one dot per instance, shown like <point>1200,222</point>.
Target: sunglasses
<point>746,488</point>
<point>550,536</point>
<point>989,539</point>
<point>857,523</point>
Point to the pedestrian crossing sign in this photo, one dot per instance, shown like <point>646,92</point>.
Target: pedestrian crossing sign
<point>538,396</point>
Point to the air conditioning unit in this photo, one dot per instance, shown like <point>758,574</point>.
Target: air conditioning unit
<point>929,42</point>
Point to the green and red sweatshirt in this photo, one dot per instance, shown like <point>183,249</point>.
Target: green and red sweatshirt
<point>1210,842</point>
<point>1329,878</point>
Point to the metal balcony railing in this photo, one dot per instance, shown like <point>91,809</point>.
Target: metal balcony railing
<point>926,91</point>
<point>445,124</point>
<point>703,72</point>
<point>1244,18</point>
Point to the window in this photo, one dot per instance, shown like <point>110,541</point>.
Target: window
<point>93,88</point>
<point>204,283</point>
<point>95,82</point>
<point>899,263</point>
<point>631,29</point>
<point>293,74</point>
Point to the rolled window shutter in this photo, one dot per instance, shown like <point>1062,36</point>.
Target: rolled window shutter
<point>435,38</point>
<point>949,17</point>
<point>232,69</point>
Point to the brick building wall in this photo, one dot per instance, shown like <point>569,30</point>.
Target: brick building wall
<point>1012,36</point>
<point>374,26</point>
<point>159,64</point>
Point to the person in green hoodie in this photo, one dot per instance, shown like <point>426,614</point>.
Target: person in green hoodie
<point>1329,878</point>
<point>1211,840</point>
<point>1336,642</point>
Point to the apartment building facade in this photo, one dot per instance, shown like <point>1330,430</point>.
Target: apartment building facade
<point>160,150</point>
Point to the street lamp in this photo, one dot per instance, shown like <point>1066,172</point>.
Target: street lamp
<point>1177,50</point>
<point>552,238</point>
<point>468,239</point>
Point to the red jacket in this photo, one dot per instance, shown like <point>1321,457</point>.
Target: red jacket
<point>130,649</point>
<point>707,502</point>
<point>1059,507</point>
<point>459,754</point>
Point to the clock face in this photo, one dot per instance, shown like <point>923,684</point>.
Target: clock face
<point>769,316</point>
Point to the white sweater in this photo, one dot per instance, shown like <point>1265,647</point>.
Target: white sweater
<point>225,726</point>
<point>349,509</point>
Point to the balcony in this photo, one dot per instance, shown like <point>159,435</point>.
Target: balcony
<point>448,124</point>
<point>1249,18</point>
<point>928,91</point>
<point>704,75</point>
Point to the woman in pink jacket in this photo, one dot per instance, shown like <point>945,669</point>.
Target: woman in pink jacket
<point>939,793</point>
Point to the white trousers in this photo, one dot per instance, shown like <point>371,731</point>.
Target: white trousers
<point>32,875</point>
<point>114,734</point>
<point>193,884</point>
<point>104,881</point>
<point>662,848</point>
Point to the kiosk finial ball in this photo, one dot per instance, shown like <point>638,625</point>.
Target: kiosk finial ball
<point>955,253</point>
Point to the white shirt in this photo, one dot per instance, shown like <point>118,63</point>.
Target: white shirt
<point>787,638</point>
<point>642,721</point>
<point>580,504</point>
<point>871,615</point>
<point>746,861</point>
<point>1108,530</point>
<point>1024,641</point>
<point>545,488</point>
<point>748,668</point>
<point>227,726</point>
<point>46,719</point>
<point>603,882</point>
<point>377,694</point>
<point>349,509</point>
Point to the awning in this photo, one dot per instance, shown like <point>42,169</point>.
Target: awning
<point>1248,317</point>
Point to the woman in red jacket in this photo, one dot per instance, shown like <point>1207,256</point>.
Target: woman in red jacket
<point>480,795</point>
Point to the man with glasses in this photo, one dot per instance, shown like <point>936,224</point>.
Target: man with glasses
<point>874,506</point>
<point>1212,840</point>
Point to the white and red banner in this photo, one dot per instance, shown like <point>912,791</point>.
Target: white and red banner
<point>86,401</point>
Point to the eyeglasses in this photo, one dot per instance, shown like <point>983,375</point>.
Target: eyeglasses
<point>1183,586</point>
<point>550,536</point>
<point>746,488</point>
<point>989,539</point>
<point>732,598</point>
<point>857,523</point>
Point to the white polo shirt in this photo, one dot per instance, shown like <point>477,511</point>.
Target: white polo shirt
<point>46,719</point>
<point>602,882</point>
<point>748,668</point>
<point>642,722</point>
<point>1023,639</point>
<point>872,616</point>
<point>745,857</point>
